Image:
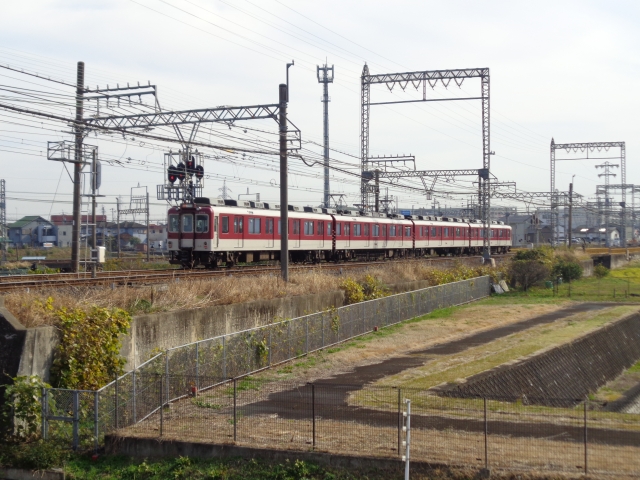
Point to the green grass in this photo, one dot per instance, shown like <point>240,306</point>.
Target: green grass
<point>450,368</point>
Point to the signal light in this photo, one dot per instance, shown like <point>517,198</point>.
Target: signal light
<point>172,174</point>
<point>181,171</point>
<point>191,165</point>
<point>199,172</point>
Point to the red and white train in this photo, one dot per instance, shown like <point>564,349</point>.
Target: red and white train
<point>212,233</point>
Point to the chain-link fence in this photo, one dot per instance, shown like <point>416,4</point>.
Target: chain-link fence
<point>504,434</point>
<point>206,363</point>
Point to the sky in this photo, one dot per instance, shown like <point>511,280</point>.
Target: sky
<point>561,69</point>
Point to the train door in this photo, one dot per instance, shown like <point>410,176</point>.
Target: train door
<point>238,230</point>
<point>320,233</point>
<point>347,234</point>
<point>268,230</point>
<point>216,232</point>
<point>187,237</point>
<point>375,234</point>
<point>366,234</point>
<point>294,236</point>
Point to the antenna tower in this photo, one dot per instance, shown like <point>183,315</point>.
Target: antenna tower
<point>325,76</point>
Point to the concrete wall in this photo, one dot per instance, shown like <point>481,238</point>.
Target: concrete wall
<point>587,267</point>
<point>159,331</point>
<point>156,332</point>
<point>12,336</point>
<point>569,371</point>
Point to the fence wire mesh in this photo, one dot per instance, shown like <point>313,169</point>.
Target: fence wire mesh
<point>504,435</point>
<point>205,364</point>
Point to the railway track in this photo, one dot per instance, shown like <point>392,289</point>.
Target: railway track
<point>150,277</point>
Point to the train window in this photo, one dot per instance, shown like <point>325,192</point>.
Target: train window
<point>321,228</point>
<point>268,225</point>
<point>346,229</point>
<point>296,227</point>
<point>500,232</point>
<point>392,230</point>
<point>457,232</point>
<point>338,226</point>
<point>433,231</point>
<point>202,223</point>
<point>308,228</point>
<point>328,228</point>
<point>366,230</point>
<point>237,225</point>
<point>255,225</point>
<point>225,224</point>
<point>279,224</point>
<point>376,230</point>
<point>446,232</point>
<point>174,223</point>
<point>356,229</point>
<point>407,231</point>
<point>187,223</point>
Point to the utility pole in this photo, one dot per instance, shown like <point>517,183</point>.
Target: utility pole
<point>3,220</point>
<point>325,76</point>
<point>94,191</point>
<point>570,212</point>
<point>77,170</point>
<point>284,185</point>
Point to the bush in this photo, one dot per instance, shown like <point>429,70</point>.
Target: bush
<point>528,272</point>
<point>568,270</point>
<point>39,455</point>
<point>600,271</point>
<point>353,291</point>
<point>21,409</point>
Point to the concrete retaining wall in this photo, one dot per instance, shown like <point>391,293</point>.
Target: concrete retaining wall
<point>587,267</point>
<point>569,371</point>
<point>30,351</point>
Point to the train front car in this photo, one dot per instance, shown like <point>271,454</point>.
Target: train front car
<point>191,234</point>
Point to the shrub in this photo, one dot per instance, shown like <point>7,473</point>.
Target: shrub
<point>568,270</point>
<point>373,288</point>
<point>353,291</point>
<point>600,271</point>
<point>528,272</point>
<point>21,409</point>
<point>38,455</point>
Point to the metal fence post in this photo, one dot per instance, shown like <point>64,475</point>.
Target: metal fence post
<point>43,413</point>
<point>306,332</point>
<point>408,441</point>
<point>313,412</point>
<point>166,373</point>
<point>224,356</point>
<point>322,326</point>
<point>161,403</point>
<point>486,432</point>
<point>116,402</point>
<point>235,410</point>
<point>270,334</point>
<point>96,420</point>
<point>133,400</point>
<point>76,418</point>
<point>197,367</point>
<point>586,464</point>
<point>399,420</point>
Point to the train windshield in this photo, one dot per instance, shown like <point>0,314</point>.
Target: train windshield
<point>202,223</point>
<point>174,223</point>
<point>187,223</point>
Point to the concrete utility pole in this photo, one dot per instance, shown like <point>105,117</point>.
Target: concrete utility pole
<point>94,191</point>
<point>284,186</point>
<point>325,76</point>
<point>77,170</point>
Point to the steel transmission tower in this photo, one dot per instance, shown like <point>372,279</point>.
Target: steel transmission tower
<point>325,76</point>
<point>606,166</point>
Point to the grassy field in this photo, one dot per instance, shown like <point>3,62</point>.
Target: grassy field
<point>450,368</point>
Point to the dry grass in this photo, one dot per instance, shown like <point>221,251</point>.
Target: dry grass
<point>191,294</point>
<point>409,336</point>
<point>526,451</point>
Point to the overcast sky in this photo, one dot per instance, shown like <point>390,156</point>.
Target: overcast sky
<point>562,69</point>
